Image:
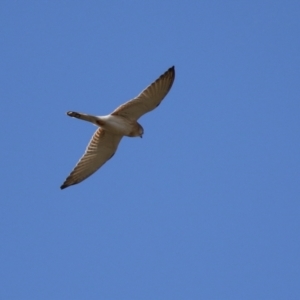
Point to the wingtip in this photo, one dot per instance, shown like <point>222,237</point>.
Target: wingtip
<point>171,70</point>
<point>63,186</point>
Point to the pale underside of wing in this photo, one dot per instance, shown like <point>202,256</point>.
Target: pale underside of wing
<point>149,98</point>
<point>101,148</point>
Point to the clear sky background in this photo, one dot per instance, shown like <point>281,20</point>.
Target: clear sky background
<point>206,205</point>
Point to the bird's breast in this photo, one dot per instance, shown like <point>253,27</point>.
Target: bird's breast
<point>116,124</point>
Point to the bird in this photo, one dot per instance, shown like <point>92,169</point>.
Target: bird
<point>111,128</point>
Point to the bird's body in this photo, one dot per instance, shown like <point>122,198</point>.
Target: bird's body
<point>114,124</point>
<point>121,122</point>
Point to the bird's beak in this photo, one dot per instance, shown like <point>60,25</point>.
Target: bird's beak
<point>141,136</point>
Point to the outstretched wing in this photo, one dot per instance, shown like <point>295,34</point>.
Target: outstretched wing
<point>101,148</point>
<point>149,98</point>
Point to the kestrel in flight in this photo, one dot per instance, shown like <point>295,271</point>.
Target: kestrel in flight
<point>121,122</point>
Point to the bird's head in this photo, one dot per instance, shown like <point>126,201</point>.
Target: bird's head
<point>141,131</point>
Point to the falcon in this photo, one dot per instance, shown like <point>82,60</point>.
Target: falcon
<point>121,122</point>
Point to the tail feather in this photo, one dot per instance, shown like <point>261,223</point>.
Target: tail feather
<point>84,117</point>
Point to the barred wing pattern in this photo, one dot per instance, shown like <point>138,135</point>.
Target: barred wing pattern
<point>101,148</point>
<point>149,98</point>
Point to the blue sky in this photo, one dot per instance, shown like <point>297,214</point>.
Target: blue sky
<point>206,205</point>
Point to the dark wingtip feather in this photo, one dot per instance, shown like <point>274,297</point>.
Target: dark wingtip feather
<point>172,71</point>
<point>63,186</point>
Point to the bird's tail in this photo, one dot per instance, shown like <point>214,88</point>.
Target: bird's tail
<point>85,117</point>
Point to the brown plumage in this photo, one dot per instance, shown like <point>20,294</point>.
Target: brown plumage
<point>122,121</point>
